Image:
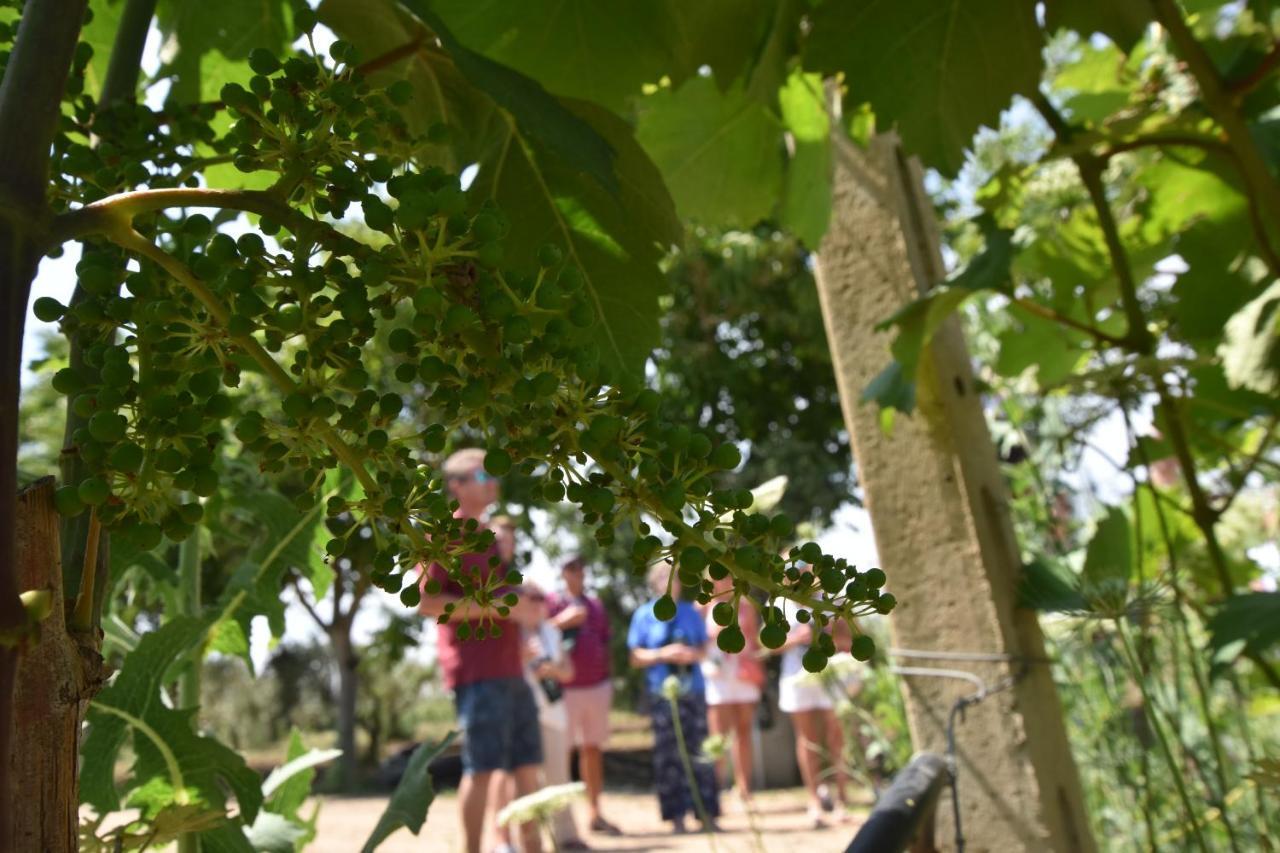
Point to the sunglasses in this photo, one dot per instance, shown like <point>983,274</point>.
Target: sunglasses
<point>478,476</point>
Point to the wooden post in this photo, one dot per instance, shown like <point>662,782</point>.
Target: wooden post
<point>939,508</point>
<point>57,674</point>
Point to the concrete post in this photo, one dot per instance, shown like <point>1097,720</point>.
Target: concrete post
<point>938,504</point>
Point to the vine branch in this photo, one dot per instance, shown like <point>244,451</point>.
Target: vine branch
<point>1221,103</point>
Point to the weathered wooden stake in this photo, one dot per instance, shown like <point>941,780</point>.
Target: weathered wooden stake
<point>939,507</point>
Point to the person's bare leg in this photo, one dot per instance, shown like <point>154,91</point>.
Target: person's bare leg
<point>473,793</point>
<point>720,721</point>
<point>743,714</point>
<point>835,747</point>
<point>502,790</point>
<point>808,737</point>
<point>527,781</point>
<point>591,766</point>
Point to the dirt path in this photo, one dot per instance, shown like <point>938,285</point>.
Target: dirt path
<point>346,822</point>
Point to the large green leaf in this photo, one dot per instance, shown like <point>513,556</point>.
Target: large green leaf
<point>206,44</point>
<point>1250,349</point>
<point>573,47</point>
<point>919,321</point>
<point>1108,561</point>
<point>1048,586</point>
<point>100,34</point>
<point>720,152</point>
<point>726,36</point>
<point>173,763</point>
<point>412,797</point>
<point>543,119</point>
<point>936,70</point>
<point>1122,21</point>
<point>806,196</point>
<point>616,239</point>
<point>1249,622</point>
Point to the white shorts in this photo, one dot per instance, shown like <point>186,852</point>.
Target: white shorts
<point>730,691</point>
<point>794,695</point>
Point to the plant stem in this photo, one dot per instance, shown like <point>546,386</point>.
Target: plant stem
<point>121,80</point>
<point>1148,710</point>
<point>189,559</point>
<point>30,101</point>
<point>1222,105</point>
<point>674,702</point>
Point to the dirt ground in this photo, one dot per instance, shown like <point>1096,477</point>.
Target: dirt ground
<point>345,822</point>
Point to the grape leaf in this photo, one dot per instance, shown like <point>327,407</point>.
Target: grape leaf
<point>723,35</point>
<point>206,43</point>
<point>937,71</point>
<point>720,152</point>
<point>171,757</point>
<point>1108,561</point>
<point>412,797</point>
<point>570,46</point>
<point>806,196</point>
<point>100,34</point>
<point>542,118</point>
<point>1122,21</point>
<point>1244,622</point>
<point>892,389</point>
<point>1050,588</point>
<point>617,240</point>
<point>1250,349</point>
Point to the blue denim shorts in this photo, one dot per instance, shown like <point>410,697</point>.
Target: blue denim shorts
<point>499,722</point>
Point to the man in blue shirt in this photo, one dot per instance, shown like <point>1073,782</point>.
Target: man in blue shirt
<point>675,648</point>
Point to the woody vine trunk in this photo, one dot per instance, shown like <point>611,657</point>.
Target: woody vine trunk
<point>30,96</point>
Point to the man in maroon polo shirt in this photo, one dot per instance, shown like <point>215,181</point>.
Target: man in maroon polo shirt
<point>496,710</point>
<point>589,695</point>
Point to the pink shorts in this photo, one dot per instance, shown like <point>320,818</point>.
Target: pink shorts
<point>588,712</point>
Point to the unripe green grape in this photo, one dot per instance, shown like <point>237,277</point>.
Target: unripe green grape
<point>400,340</point>
<point>66,500</point>
<point>773,635</point>
<point>126,457</point>
<point>378,215</point>
<point>517,329</point>
<point>723,613</point>
<point>296,405</point>
<point>831,581</point>
<point>886,602</point>
<point>93,491</point>
<point>377,439</point>
<point>673,496</point>
<point>811,552</point>
<point>250,427</point>
<point>464,631</point>
<point>486,228</point>
<point>717,570</point>
<point>474,394</point>
<point>289,318</point>
<point>781,526</point>
<point>218,407</point>
<point>170,460</point>
<point>68,381</point>
<point>694,558</point>
<point>205,384</point>
<point>731,640</point>
<point>581,314</point>
<point>490,254</point>
<point>431,369</point>
<point>826,644</point>
<point>814,660</point>
<point>874,578</point>
<point>546,384</point>
<point>726,456</point>
<point>570,279</point>
<point>389,405</point>
<point>665,608</point>
<point>146,536</point>
<point>458,318</point>
<point>410,596</point>
<point>497,461</point>
<point>107,427</point>
<point>400,92</point>
<point>47,309</point>
<point>699,446</point>
<point>406,372</point>
<point>863,647</point>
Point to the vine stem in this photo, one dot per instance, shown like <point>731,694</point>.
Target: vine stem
<point>131,240</point>
<point>1221,103</point>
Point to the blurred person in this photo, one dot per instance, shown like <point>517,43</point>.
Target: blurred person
<point>546,666</point>
<point>733,687</point>
<point>496,709</point>
<point>674,649</point>
<point>588,696</point>
<point>812,710</point>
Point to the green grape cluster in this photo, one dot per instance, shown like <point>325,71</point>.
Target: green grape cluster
<point>206,321</point>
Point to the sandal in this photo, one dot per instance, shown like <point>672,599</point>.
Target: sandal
<point>603,827</point>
